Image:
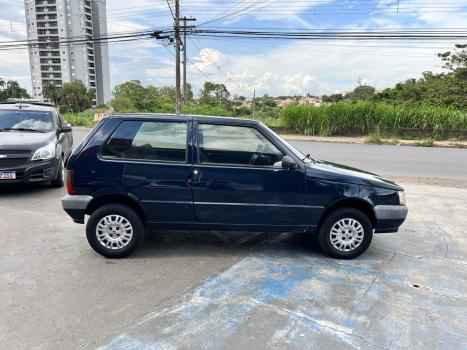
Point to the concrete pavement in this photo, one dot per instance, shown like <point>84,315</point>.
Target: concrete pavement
<point>238,290</point>
<point>407,292</point>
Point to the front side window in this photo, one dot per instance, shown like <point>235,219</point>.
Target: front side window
<point>22,120</point>
<point>237,145</point>
<point>148,141</point>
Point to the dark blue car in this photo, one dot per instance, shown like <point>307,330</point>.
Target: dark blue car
<point>211,173</point>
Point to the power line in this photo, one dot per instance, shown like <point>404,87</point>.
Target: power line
<point>211,60</point>
<point>405,35</point>
<point>70,41</point>
<point>191,62</point>
<point>170,8</point>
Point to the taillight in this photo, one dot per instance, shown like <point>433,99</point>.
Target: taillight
<point>69,182</point>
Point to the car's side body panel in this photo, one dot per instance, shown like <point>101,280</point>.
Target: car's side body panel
<point>162,190</point>
<point>252,195</point>
<point>195,195</point>
<point>242,195</point>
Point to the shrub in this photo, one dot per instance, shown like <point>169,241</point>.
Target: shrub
<point>85,118</point>
<point>363,118</point>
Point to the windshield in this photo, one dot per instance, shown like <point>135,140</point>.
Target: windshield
<point>292,148</point>
<point>25,120</point>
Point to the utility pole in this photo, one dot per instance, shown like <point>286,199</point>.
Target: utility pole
<point>177,57</point>
<point>185,48</point>
<point>254,102</point>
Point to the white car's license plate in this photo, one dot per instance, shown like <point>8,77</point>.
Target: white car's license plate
<point>7,175</point>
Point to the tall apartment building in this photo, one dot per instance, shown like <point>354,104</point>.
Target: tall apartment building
<point>50,23</point>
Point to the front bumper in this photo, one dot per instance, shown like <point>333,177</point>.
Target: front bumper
<point>40,171</point>
<point>389,217</point>
<point>75,206</point>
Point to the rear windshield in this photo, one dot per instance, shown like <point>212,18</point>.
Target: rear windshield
<point>26,120</point>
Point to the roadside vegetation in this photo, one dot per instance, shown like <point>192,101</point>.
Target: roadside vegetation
<point>376,119</point>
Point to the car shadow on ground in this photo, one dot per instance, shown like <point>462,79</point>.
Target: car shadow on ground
<point>159,244</point>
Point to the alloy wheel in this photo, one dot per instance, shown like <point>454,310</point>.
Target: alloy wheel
<point>346,235</point>
<point>114,231</point>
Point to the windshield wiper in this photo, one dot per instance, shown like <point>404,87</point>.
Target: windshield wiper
<point>22,129</point>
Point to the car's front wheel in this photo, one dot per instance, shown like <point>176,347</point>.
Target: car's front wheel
<point>59,181</point>
<point>114,230</point>
<point>345,233</point>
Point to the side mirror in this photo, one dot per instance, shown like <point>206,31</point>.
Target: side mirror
<point>65,128</point>
<point>289,163</point>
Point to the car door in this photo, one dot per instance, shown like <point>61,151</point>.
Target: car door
<point>238,179</point>
<point>157,166</point>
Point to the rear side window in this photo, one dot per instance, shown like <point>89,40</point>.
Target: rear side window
<point>238,145</point>
<point>148,141</point>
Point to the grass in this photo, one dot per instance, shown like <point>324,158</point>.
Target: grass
<point>374,138</point>
<point>85,118</point>
<point>367,118</point>
<point>457,144</point>
<point>425,143</point>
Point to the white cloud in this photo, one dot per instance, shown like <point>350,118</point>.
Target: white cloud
<point>317,68</point>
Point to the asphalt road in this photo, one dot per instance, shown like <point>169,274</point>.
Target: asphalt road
<point>399,161</point>
<point>216,290</point>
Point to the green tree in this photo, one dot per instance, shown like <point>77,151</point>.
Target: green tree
<point>75,97</point>
<point>266,101</point>
<point>445,89</point>
<point>149,98</point>
<point>134,91</point>
<point>214,94</point>
<point>167,94</point>
<point>333,98</point>
<point>189,89</point>
<point>361,92</point>
<point>12,90</point>
<point>123,104</point>
<point>52,92</point>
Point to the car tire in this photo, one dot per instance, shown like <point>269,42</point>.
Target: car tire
<point>114,230</point>
<point>59,181</point>
<point>345,233</point>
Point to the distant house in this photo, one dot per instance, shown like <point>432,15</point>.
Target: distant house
<point>284,102</point>
<point>310,100</point>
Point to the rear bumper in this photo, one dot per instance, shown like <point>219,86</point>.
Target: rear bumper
<point>75,206</point>
<point>40,171</point>
<point>389,217</point>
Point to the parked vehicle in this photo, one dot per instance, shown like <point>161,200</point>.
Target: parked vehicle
<point>34,143</point>
<point>212,173</point>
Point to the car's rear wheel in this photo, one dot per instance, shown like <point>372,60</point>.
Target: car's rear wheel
<point>114,230</point>
<point>59,181</point>
<point>345,233</point>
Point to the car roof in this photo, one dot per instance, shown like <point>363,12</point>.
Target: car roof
<point>27,105</point>
<point>195,117</point>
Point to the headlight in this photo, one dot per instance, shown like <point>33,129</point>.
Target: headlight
<point>46,152</point>
<point>401,197</point>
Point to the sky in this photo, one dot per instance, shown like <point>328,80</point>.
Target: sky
<point>267,66</point>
